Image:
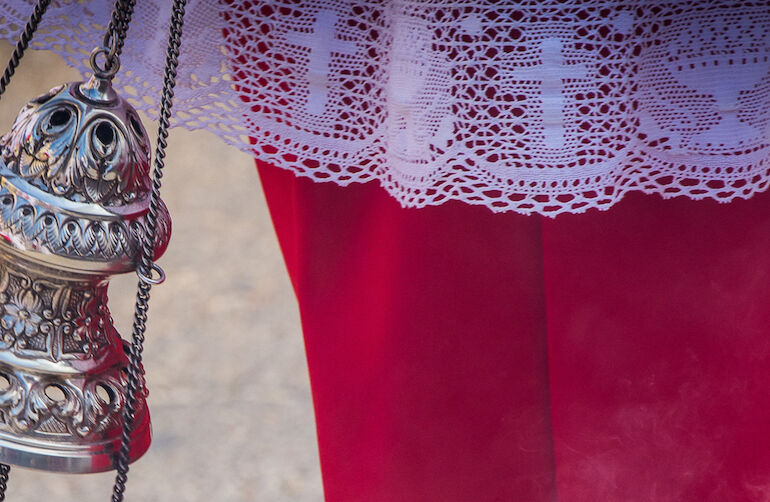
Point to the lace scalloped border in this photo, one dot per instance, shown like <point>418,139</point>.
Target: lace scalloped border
<point>441,104</point>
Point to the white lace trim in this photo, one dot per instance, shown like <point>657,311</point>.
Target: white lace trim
<point>532,106</point>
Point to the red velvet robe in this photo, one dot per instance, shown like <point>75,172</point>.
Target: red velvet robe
<point>458,355</point>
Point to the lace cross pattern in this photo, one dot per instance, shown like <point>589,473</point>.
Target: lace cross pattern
<point>531,106</point>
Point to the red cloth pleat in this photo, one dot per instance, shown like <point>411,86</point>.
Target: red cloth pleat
<point>425,338</point>
<point>458,355</point>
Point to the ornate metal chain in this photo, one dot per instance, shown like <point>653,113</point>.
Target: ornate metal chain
<point>5,469</point>
<point>146,267</point>
<point>119,22</point>
<point>18,52</point>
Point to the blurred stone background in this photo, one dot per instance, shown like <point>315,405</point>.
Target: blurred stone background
<point>229,396</point>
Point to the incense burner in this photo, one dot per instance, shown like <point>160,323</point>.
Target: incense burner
<point>74,194</point>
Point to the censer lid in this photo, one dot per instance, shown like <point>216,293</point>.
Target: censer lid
<point>83,142</point>
<point>74,179</point>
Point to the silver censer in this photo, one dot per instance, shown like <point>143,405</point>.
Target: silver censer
<point>74,193</point>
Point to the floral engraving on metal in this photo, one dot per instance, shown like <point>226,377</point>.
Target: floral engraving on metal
<point>53,320</point>
<point>79,148</point>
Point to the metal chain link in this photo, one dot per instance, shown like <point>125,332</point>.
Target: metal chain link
<point>114,39</point>
<point>119,23</point>
<point>146,266</point>
<point>18,52</point>
<point>5,470</point>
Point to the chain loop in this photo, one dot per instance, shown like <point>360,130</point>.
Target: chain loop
<point>111,63</point>
<point>114,39</point>
<point>157,275</point>
<point>146,266</point>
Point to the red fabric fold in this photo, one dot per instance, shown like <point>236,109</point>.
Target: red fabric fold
<point>428,365</point>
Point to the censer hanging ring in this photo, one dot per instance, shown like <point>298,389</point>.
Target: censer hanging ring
<point>111,62</point>
<point>158,277</point>
<point>110,48</point>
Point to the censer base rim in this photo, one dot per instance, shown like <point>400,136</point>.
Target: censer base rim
<point>83,458</point>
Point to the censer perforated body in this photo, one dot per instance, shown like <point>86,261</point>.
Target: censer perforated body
<point>74,193</point>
